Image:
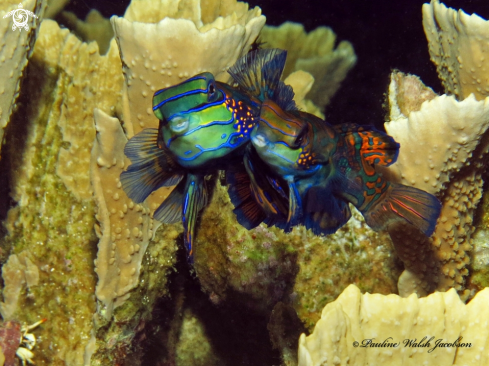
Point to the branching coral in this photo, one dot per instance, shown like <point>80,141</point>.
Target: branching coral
<point>314,53</point>
<point>451,169</point>
<point>15,49</point>
<point>354,317</point>
<point>454,139</point>
<point>459,46</point>
<point>125,227</point>
<point>155,54</point>
<point>94,28</point>
<point>49,151</point>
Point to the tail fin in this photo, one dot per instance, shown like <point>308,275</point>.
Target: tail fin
<point>401,202</point>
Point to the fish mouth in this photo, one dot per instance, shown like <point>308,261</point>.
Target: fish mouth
<point>178,124</point>
<point>259,141</point>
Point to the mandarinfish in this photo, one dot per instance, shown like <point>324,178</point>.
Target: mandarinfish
<point>204,125</point>
<point>327,167</point>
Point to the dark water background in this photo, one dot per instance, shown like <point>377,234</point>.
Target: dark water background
<point>386,35</point>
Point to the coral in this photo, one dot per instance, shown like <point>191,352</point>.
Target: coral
<point>354,317</point>
<point>302,82</point>
<point>155,54</point>
<point>459,47</point>
<point>450,168</point>
<point>15,50</point>
<point>54,8</point>
<point>94,28</point>
<point>17,272</point>
<point>125,227</point>
<point>456,130</point>
<point>193,347</point>
<point>314,53</point>
<point>64,160</point>
<point>118,339</point>
<point>479,272</point>
<point>49,152</point>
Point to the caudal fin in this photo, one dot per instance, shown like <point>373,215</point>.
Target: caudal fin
<point>403,203</point>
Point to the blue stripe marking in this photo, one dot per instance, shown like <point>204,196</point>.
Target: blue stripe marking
<point>178,96</point>
<point>227,144</point>
<point>199,108</point>
<point>281,156</point>
<point>275,128</point>
<point>185,204</point>
<point>158,92</point>
<point>215,123</point>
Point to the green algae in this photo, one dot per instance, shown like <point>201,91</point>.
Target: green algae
<point>265,265</point>
<point>50,224</point>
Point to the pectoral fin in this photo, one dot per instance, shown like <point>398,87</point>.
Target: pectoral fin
<point>151,168</point>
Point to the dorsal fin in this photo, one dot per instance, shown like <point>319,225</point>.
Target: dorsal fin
<point>259,72</point>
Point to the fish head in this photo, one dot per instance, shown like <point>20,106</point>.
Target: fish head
<point>197,121</point>
<point>284,141</point>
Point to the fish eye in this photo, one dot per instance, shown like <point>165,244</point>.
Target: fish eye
<point>212,94</point>
<point>300,138</point>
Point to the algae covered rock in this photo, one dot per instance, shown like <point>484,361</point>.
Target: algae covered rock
<point>265,265</point>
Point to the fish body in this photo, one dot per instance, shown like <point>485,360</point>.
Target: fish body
<point>203,120</point>
<point>204,125</point>
<point>328,167</point>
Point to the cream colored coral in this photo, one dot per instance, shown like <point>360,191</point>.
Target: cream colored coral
<point>15,49</point>
<point>459,46</point>
<point>407,94</point>
<point>90,80</point>
<point>54,8</point>
<point>94,28</point>
<point>442,147</point>
<point>391,319</point>
<point>174,44</point>
<point>315,53</point>
<point>302,82</point>
<point>126,227</point>
<point>14,279</point>
<point>16,272</point>
<point>49,154</point>
<point>438,140</point>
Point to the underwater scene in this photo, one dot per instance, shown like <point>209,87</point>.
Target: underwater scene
<point>220,183</point>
